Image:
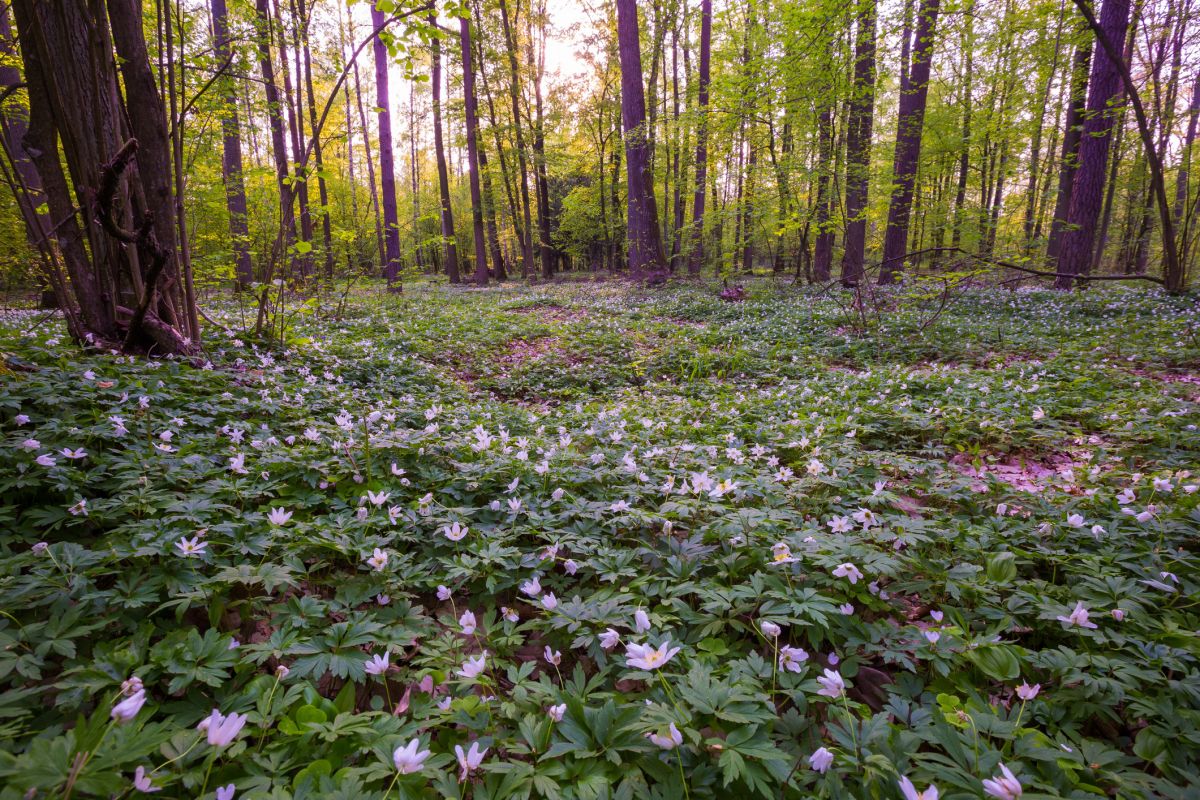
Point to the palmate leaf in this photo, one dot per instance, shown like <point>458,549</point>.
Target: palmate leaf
<point>269,575</point>
<point>203,659</point>
<point>338,650</point>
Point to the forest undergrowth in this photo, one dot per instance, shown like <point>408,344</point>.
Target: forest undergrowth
<point>590,541</point>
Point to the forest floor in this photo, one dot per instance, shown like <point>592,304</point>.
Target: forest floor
<point>632,543</point>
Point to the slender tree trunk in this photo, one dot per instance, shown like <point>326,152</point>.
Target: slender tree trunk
<point>14,124</point>
<point>291,104</point>
<point>823,249</point>
<point>642,232</point>
<point>1184,217</point>
<point>231,161</point>
<point>387,167</point>
<point>537,68</point>
<point>696,254</point>
<point>318,156</point>
<point>908,144</point>
<point>380,247</point>
<point>1088,189</point>
<point>1035,148</point>
<point>283,182</point>
<point>524,232</point>
<point>676,170</point>
<point>471,107</point>
<point>858,143</point>
<point>449,246</point>
<point>485,172</point>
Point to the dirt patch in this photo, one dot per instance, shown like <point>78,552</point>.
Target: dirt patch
<point>518,351</point>
<point>1024,472</point>
<point>1167,377</point>
<point>549,314</point>
<point>684,323</point>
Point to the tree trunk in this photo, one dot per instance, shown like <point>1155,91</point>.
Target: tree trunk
<point>380,248</point>
<point>858,144</point>
<point>231,161</point>
<point>909,126</point>
<point>471,110</point>
<point>78,112</point>
<point>291,102</point>
<point>447,214</point>
<point>823,249</point>
<point>539,151</point>
<point>318,156</point>
<point>1184,216</point>
<point>283,182</point>
<point>387,167</point>
<point>525,232</point>
<point>1087,192</point>
<point>1072,134</point>
<point>696,254</point>
<point>642,232</point>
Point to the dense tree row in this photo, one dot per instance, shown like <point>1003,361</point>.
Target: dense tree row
<point>158,150</point>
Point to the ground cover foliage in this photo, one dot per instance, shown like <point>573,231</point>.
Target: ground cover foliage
<point>621,543</point>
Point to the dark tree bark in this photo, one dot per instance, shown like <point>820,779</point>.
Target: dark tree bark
<point>148,124</point>
<point>642,232</point>
<point>447,214</point>
<point>387,166</point>
<point>1087,191</point>
<point>1069,160</point>
<point>909,126</point>
<point>79,113</point>
<point>231,159</point>
<point>696,254</point>
<point>858,143</point>
<point>472,121</point>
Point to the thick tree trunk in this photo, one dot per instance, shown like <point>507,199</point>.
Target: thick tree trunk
<point>148,123</point>
<point>449,246</point>
<point>909,126</point>
<point>387,165</point>
<point>231,160</point>
<point>1087,192</point>
<point>696,254</point>
<point>78,112</point>
<point>374,185</point>
<point>1069,160</point>
<point>858,144</point>
<point>642,232</point>
<point>471,107</point>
